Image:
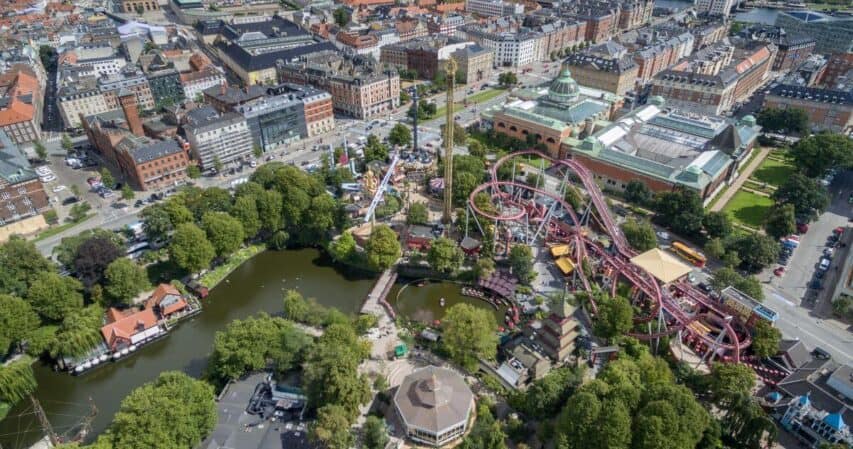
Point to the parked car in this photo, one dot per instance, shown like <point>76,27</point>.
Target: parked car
<point>821,354</point>
<point>802,228</point>
<point>70,200</point>
<point>779,271</point>
<point>824,264</point>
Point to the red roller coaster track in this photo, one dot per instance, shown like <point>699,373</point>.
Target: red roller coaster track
<point>677,318</point>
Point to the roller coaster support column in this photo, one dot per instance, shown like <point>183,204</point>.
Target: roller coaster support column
<point>712,351</point>
<point>661,328</point>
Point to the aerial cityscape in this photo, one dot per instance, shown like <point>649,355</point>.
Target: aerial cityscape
<point>392,224</point>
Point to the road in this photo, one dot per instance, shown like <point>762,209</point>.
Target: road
<point>802,318</point>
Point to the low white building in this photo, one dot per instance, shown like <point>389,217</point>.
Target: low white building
<point>213,137</point>
<point>493,8</point>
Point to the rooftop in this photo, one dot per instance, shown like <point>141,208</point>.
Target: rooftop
<point>434,399</point>
<point>663,266</point>
<point>14,166</point>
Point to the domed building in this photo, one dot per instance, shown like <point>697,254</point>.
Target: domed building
<point>556,116</point>
<point>434,405</point>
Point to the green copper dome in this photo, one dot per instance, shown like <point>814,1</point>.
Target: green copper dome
<point>563,89</point>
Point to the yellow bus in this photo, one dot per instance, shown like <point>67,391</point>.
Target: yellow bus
<point>693,256</point>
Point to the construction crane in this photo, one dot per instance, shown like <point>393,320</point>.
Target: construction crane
<point>450,68</point>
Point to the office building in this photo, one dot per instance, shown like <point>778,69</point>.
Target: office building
<point>217,137</point>
<point>715,7</point>
<point>831,33</point>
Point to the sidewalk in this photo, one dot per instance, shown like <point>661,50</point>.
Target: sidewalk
<point>745,173</point>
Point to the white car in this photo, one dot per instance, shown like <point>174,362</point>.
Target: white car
<point>47,178</point>
<point>663,235</point>
<point>43,171</point>
<point>58,188</point>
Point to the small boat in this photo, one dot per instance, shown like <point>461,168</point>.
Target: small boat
<point>78,369</point>
<point>125,351</point>
<point>104,357</point>
<point>95,361</point>
<point>116,355</point>
<point>132,348</point>
<point>441,302</point>
<point>87,365</point>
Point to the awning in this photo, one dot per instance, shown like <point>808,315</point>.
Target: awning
<point>662,265</point>
<point>559,250</point>
<point>565,265</point>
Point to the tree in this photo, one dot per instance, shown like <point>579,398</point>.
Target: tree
<point>341,16</point>
<point>245,209</point>
<point>79,332</point>
<point>22,263</point>
<point>374,150</point>
<point>127,192</point>
<point>728,379</point>
<point>332,428</point>
<point>156,222</point>
<point>814,155</point>
<point>343,248</point>
<point>92,258</point>
<point>174,411</point>
<point>400,135</point>
<point>41,151</point>
<point>255,343</point>
<point>383,248</point>
<point>469,335</point>
<point>224,232</point>
<point>521,262</point>
<point>757,251</point>
<point>765,339</point>
<point>640,234</point>
<point>487,433</point>
<point>257,151</point>
<point>375,433</point>
<point>417,214</point>
<point>193,172</point>
<point>444,255</point>
<point>638,192</point>
<point>330,371</point>
<point>780,220</point>
<point>190,248</point>
<point>717,224</point>
<point>476,149</point>
<point>125,279</point>
<point>578,423</point>
<point>217,164</point>
<point>66,143</point>
<point>460,135</point>
<point>507,79</point>
<point>107,178</point>
<point>615,316</point>
<point>726,276</point>
<point>715,248</point>
<point>270,204</point>
<point>17,321</point>
<point>807,196</point>
<point>680,210</point>
<point>79,211</point>
<point>17,380</point>
<point>793,120</point>
<point>545,397</point>
<point>53,296</point>
<point>404,96</point>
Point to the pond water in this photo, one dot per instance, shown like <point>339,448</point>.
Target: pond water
<point>255,286</point>
<point>424,303</point>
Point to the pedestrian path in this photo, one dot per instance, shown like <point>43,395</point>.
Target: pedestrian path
<point>745,173</point>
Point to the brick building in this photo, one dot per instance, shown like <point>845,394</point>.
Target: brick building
<point>830,110</point>
<point>135,6</point>
<point>607,67</point>
<point>839,70</point>
<point>22,195</point>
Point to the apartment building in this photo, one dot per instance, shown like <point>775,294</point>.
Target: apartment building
<point>217,137</point>
<point>839,71</point>
<point>425,56</point>
<point>515,48</point>
<point>828,110</point>
<point>138,6</point>
<point>152,164</point>
<point>715,7</point>
<point>606,67</point>
<point>100,59</point>
<point>493,8</point>
<point>445,25</point>
<point>22,195</point>
<point>197,81</point>
<point>409,28</point>
<point>475,64</point>
<point>20,105</point>
<point>793,49</point>
<point>360,87</point>
<point>130,79</point>
<point>716,78</point>
<point>79,97</point>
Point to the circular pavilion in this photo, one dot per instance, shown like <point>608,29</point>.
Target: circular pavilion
<point>434,405</point>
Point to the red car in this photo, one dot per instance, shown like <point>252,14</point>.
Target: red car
<point>779,271</point>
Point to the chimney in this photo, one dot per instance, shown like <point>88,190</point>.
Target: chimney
<point>222,87</point>
<point>131,113</point>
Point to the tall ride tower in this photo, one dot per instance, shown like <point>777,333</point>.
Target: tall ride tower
<point>450,68</point>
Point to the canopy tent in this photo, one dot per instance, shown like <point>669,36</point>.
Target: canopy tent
<point>662,265</point>
<point>565,265</point>
<point>560,250</point>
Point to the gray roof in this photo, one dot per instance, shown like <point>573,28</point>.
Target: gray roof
<point>143,149</point>
<point>810,380</point>
<point>206,119</point>
<point>815,94</point>
<point>434,399</point>
<point>14,166</point>
<point>250,62</point>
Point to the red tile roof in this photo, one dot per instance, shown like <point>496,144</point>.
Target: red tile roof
<point>123,325</point>
<point>18,83</point>
<point>161,292</point>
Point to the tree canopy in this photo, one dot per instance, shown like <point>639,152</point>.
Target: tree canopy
<point>640,234</point>
<point>93,257</point>
<point>794,120</point>
<point>190,248</point>
<point>400,135</point>
<point>816,154</point>
<point>330,370</point>
<point>680,210</point>
<point>417,214</point>
<point>765,339</point>
<point>469,334</point>
<point>54,296</point>
<point>521,261</point>
<point>808,197</point>
<point>173,411</point>
<point>224,232</point>
<point>780,220</point>
<point>444,255</point>
<point>17,321</point>
<point>383,248</point>
<point>615,316</point>
<point>726,276</point>
<point>125,279</point>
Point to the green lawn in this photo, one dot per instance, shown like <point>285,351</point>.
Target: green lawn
<point>57,229</point>
<point>773,171</point>
<point>473,99</point>
<point>4,410</point>
<point>216,275</point>
<point>748,208</point>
